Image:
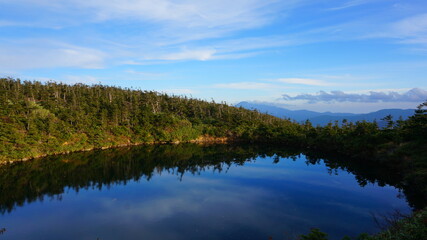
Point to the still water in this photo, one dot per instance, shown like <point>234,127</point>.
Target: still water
<point>189,191</point>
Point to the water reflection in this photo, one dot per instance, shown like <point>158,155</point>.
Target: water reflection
<point>191,192</point>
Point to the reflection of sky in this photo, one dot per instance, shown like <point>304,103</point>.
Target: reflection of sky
<point>254,201</point>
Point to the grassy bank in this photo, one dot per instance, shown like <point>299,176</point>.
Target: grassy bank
<point>412,227</point>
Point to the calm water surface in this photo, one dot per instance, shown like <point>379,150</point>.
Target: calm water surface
<point>189,192</point>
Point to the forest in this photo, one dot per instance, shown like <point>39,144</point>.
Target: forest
<point>42,119</point>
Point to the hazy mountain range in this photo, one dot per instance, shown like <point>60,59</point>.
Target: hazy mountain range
<point>323,118</point>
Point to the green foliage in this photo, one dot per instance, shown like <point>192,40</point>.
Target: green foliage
<point>38,119</point>
<point>315,234</point>
<point>409,228</point>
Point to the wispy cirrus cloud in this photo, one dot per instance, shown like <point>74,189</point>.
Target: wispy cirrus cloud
<point>145,74</point>
<point>413,95</point>
<point>412,30</point>
<point>11,23</point>
<point>179,91</point>
<point>168,31</point>
<point>163,30</point>
<point>193,54</point>
<point>201,17</point>
<point>192,14</point>
<point>49,54</point>
<point>246,85</point>
<point>116,34</point>
<point>86,79</point>
<point>350,4</point>
<point>408,30</point>
<point>412,26</point>
<point>218,50</point>
<point>303,81</point>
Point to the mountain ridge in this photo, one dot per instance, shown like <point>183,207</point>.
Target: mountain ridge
<point>323,118</point>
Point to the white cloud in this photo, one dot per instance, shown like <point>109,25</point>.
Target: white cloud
<point>252,43</point>
<point>38,53</point>
<point>203,16</point>
<point>9,23</point>
<point>412,26</point>
<point>352,107</point>
<point>202,54</point>
<point>158,29</point>
<point>349,4</point>
<point>186,13</point>
<point>412,31</point>
<point>409,30</point>
<point>228,49</point>
<point>72,79</point>
<point>303,81</point>
<point>178,91</point>
<point>161,27</point>
<point>145,74</point>
<point>195,54</point>
<point>246,85</point>
<point>414,95</point>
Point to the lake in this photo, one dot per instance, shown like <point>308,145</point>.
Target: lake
<point>189,191</point>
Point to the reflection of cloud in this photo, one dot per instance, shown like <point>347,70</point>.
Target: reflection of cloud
<point>413,95</point>
<point>213,206</point>
<point>349,207</point>
<point>216,206</point>
<point>203,193</point>
<point>236,205</point>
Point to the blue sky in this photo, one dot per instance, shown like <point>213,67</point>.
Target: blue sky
<point>323,55</point>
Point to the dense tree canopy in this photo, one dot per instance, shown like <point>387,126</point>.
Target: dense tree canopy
<point>38,119</point>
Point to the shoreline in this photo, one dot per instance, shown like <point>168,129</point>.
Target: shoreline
<point>199,140</point>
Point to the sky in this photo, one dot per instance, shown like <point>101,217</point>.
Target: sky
<point>322,55</point>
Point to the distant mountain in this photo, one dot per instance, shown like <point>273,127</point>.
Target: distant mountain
<point>297,115</point>
<point>323,118</point>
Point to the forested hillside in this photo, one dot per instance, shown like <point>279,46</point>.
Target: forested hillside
<point>38,119</point>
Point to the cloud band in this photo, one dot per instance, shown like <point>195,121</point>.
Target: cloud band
<point>413,95</point>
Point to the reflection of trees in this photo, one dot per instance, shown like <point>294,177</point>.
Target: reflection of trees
<point>372,172</point>
<point>48,177</point>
